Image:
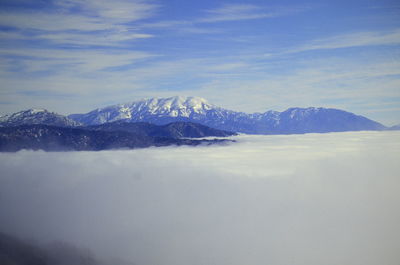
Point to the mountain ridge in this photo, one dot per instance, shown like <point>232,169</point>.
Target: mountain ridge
<point>162,111</point>
<point>53,138</point>
<point>194,109</point>
<point>37,116</point>
<point>170,130</point>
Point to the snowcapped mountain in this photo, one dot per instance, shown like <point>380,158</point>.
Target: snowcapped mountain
<point>160,110</point>
<point>194,109</point>
<point>36,116</point>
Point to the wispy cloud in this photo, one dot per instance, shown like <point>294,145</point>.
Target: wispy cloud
<point>356,39</point>
<point>45,21</point>
<point>228,66</point>
<point>110,38</point>
<point>68,31</point>
<point>234,12</point>
<point>77,22</point>
<point>120,11</point>
<point>79,61</point>
<point>227,13</point>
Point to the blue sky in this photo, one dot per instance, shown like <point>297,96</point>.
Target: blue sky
<point>73,56</point>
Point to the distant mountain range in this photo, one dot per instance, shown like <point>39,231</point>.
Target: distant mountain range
<point>161,111</point>
<point>198,110</point>
<point>41,129</point>
<point>161,122</point>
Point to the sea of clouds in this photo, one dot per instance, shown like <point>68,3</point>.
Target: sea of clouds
<point>295,199</point>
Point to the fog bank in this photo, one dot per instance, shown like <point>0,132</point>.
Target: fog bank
<point>291,199</point>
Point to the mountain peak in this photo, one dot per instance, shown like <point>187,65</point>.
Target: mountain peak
<point>176,102</point>
<point>36,116</point>
<point>29,112</point>
<point>34,111</point>
<point>177,106</point>
<point>167,108</point>
<point>25,113</point>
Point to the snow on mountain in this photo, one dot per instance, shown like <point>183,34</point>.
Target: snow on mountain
<point>3,118</point>
<point>194,109</point>
<point>36,116</point>
<point>143,110</point>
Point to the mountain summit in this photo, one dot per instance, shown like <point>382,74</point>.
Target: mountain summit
<point>157,110</point>
<point>161,111</point>
<point>36,116</point>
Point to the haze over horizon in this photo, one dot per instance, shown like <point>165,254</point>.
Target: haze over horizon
<point>72,56</point>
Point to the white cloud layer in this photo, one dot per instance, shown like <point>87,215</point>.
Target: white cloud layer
<point>298,199</point>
